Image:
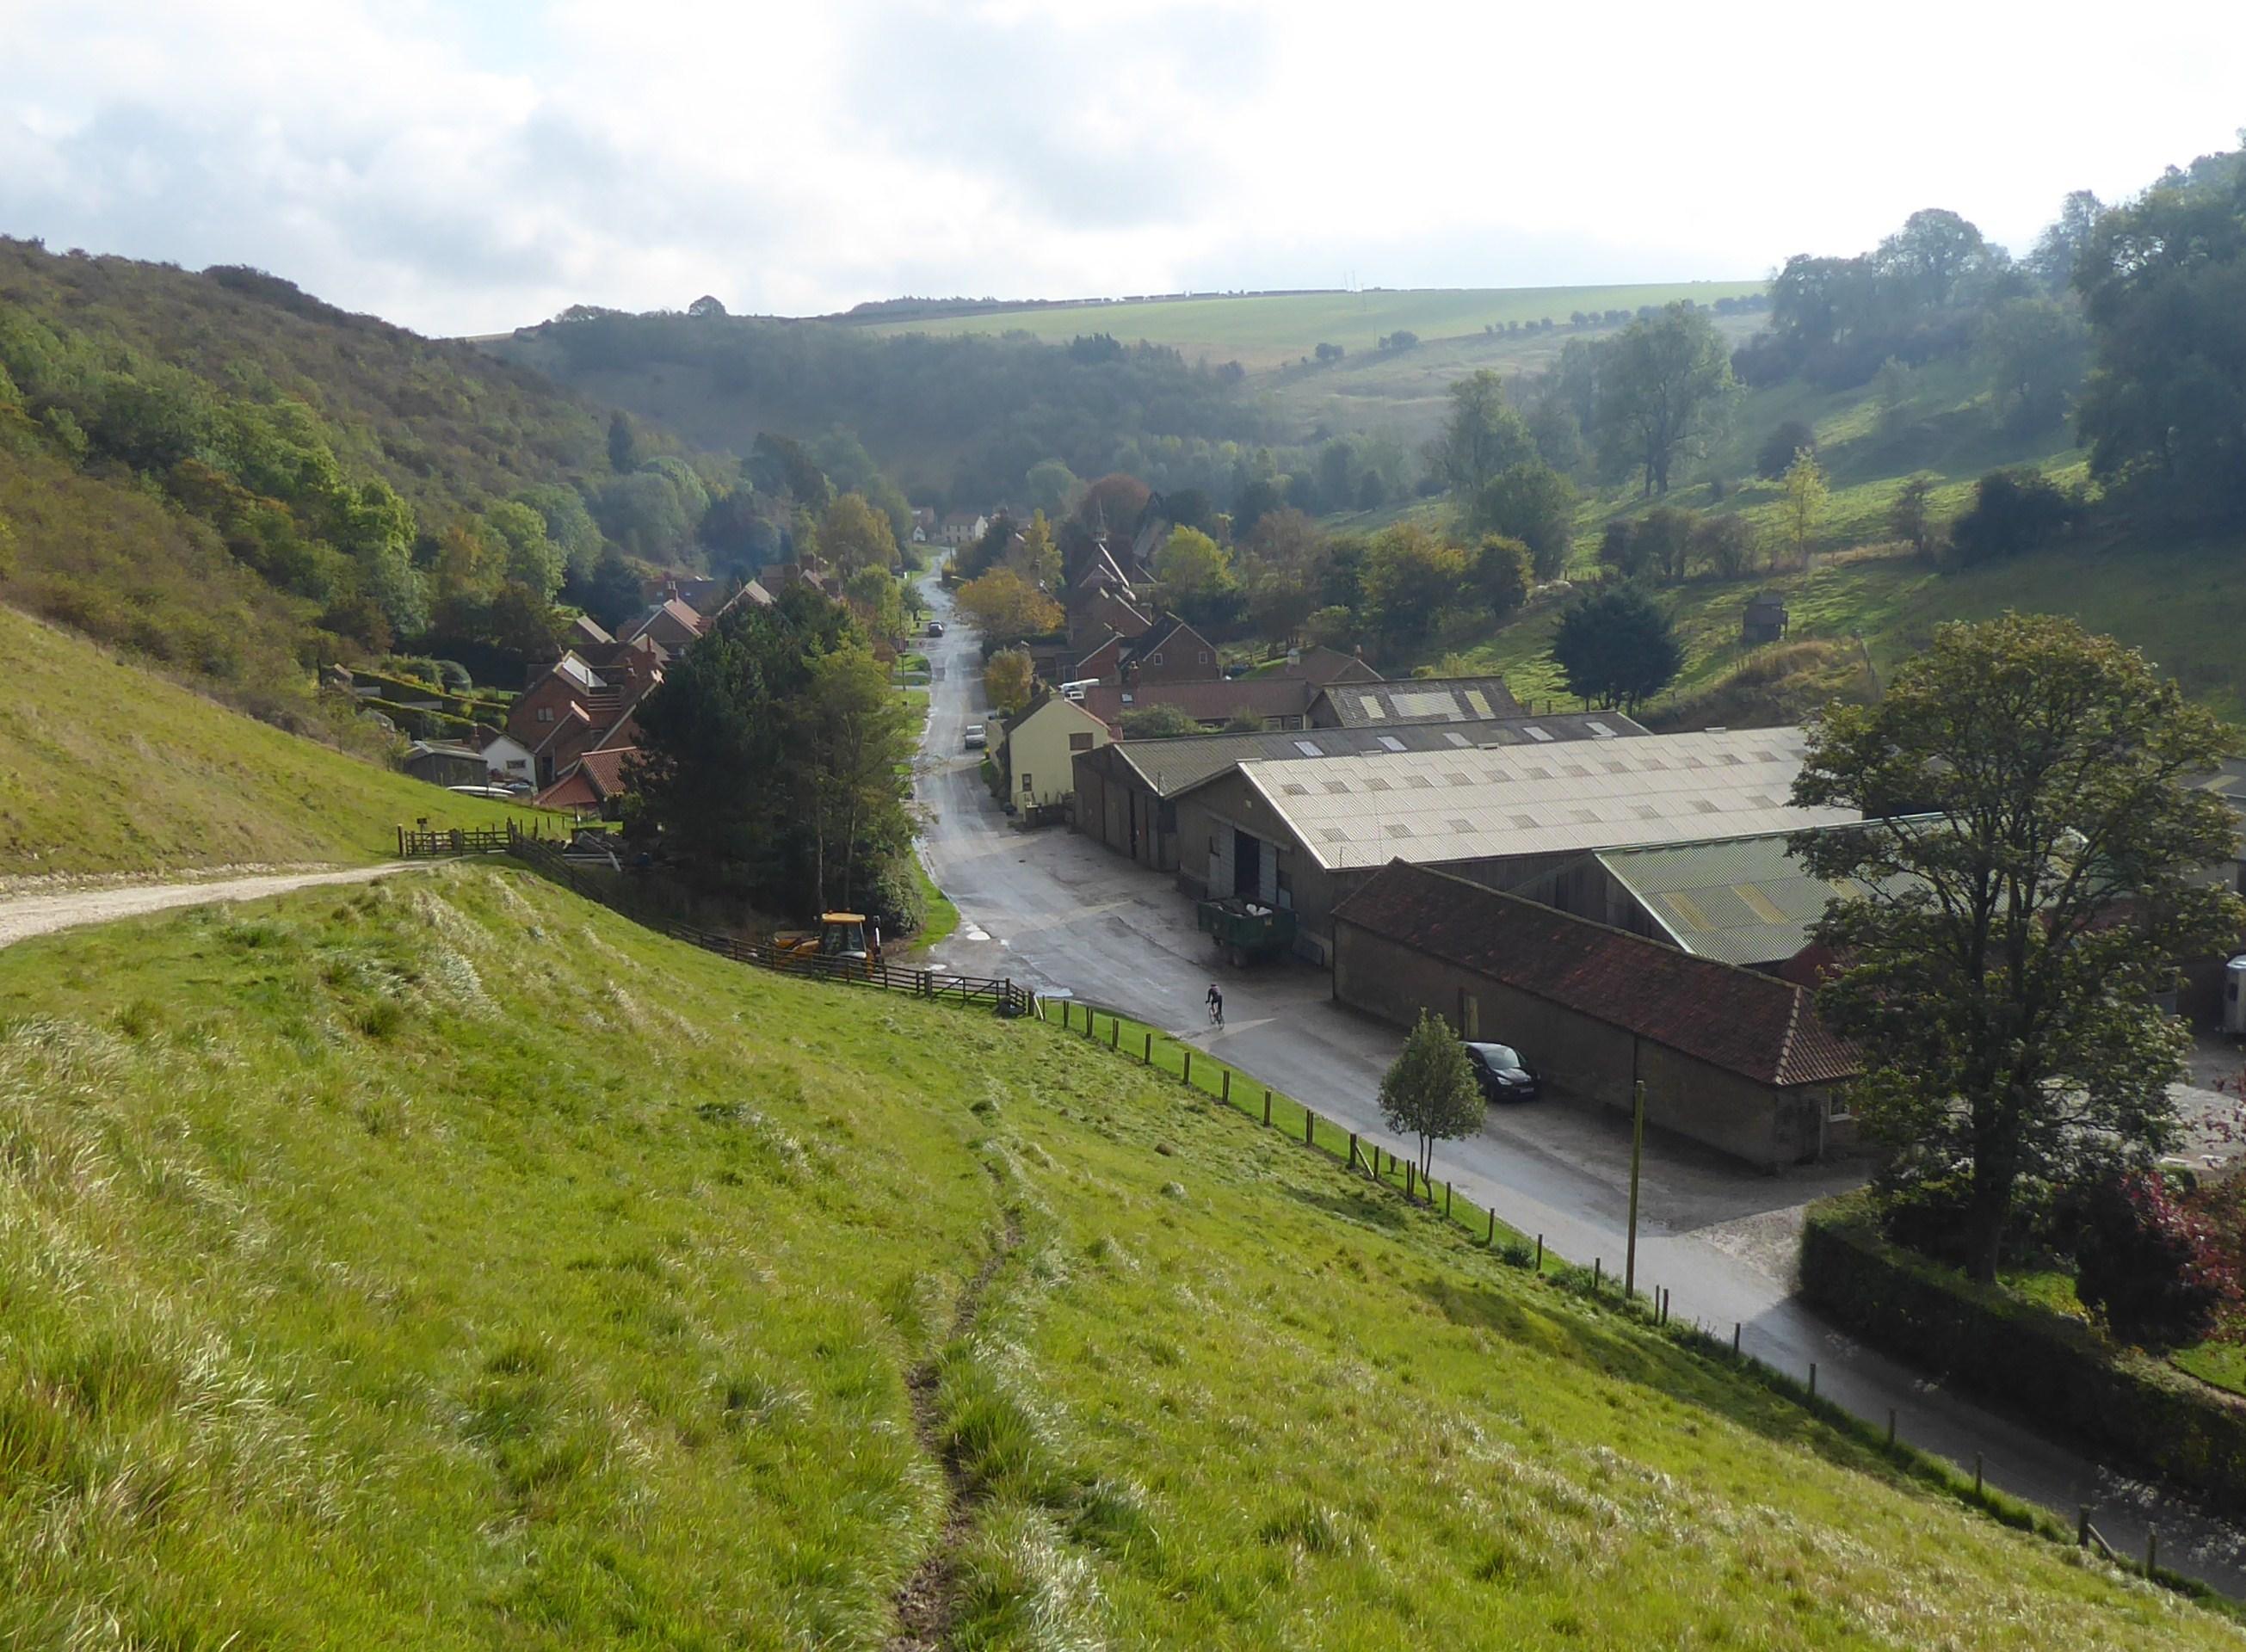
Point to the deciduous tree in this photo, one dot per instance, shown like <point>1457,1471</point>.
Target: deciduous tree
<point>1665,387</point>
<point>2032,868</point>
<point>1429,1090</point>
<point>854,535</point>
<point>1005,609</point>
<point>1801,505</point>
<point>1008,677</point>
<point>1534,503</point>
<point>1482,437</point>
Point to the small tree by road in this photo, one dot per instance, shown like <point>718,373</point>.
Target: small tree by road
<point>1430,1091</point>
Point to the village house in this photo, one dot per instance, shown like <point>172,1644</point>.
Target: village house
<point>1038,749</point>
<point>961,528</point>
<point>597,784</point>
<point>1168,651</point>
<point>1127,792</point>
<point>572,709</point>
<point>1729,1058</point>
<point>505,758</point>
<point>1305,833</point>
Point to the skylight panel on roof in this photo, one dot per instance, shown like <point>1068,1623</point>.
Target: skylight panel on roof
<point>1417,782</point>
<point>1478,703</point>
<point>1309,748</point>
<point>1425,703</point>
<point>1373,708</point>
<point>1535,733</point>
<point>1392,743</point>
<point>1375,782</point>
<point>1397,829</point>
<point>1455,738</point>
<point>1457,777</point>
<point>1526,822</point>
<point>1293,790</point>
<point>1338,788</point>
<point>1457,825</point>
<point>1333,834</point>
<point>1599,729</point>
<point>1576,770</point>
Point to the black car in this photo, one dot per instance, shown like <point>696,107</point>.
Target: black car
<point>1501,1073</point>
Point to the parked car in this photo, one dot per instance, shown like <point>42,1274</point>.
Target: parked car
<point>935,628</point>
<point>975,737</point>
<point>1501,1073</point>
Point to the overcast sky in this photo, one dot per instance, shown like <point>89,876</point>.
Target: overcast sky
<point>470,167</point>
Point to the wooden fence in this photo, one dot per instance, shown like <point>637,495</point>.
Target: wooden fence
<point>416,844</point>
<point>543,857</point>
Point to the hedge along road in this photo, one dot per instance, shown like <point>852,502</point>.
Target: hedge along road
<point>1056,911</point>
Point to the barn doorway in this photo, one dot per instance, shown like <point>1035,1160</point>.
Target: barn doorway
<point>1246,865</point>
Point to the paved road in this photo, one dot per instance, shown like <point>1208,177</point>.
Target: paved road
<point>1053,910</point>
<point>24,916</point>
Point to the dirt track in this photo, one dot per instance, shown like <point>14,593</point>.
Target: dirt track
<point>24,916</point>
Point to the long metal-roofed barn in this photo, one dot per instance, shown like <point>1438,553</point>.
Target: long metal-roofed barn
<point>1127,793</point>
<point>1305,833</point>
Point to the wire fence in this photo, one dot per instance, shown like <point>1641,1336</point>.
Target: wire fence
<point>1347,1149</point>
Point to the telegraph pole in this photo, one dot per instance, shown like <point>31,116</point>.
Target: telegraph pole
<point>1637,1153</point>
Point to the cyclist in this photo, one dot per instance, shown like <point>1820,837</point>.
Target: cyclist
<point>1216,1002</point>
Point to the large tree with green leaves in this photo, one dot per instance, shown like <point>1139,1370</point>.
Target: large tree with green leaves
<point>1429,1090</point>
<point>1664,387</point>
<point>2034,861</point>
<point>1483,438</point>
<point>1617,647</point>
<point>2164,282</point>
<point>851,735</point>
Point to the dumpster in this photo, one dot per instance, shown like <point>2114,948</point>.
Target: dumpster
<point>1246,931</point>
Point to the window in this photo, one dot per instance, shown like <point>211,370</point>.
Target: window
<point>1204,656</point>
<point>1285,892</point>
<point>1026,781</point>
<point>1154,659</point>
<point>1080,742</point>
<point>545,714</point>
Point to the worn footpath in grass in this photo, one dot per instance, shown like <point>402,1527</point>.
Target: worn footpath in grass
<point>104,767</point>
<point>452,1264</point>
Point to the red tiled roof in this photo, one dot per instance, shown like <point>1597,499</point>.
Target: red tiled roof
<point>1745,1023</point>
<point>605,768</point>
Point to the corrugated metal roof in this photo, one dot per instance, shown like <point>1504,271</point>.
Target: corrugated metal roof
<point>1457,699</point>
<point>1177,764</point>
<point>1518,801</point>
<point>1742,901</point>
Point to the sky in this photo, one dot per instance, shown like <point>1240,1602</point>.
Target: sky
<point>469,169</point>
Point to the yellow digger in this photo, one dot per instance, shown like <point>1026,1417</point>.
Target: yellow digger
<point>844,940</point>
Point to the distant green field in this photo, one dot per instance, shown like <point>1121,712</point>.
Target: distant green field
<point>1271,331</point>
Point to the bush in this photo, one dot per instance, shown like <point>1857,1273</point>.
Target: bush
<point>2014,512</point>
<point>2042,1364</point>
<point>1723,545</point>
<point>2149,1266</point>
<point>1776,457</point>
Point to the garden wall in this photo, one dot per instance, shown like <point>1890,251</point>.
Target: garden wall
<point>2045,1366</point>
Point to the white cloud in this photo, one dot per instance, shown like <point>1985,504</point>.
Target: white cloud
<point>465,168</point>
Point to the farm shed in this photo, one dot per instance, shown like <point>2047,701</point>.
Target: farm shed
<point>1311,829</point>
<point>1732,1058</point>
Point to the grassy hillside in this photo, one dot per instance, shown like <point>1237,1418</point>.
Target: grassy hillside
<point>1271,331</point>
<point>104,767</point>
<point>2183,600</point>
<point>453,1265</point>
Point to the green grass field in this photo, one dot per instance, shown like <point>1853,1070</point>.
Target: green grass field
<point>104,767</point>
<point>1271,331</point>
<point>454,1265</point>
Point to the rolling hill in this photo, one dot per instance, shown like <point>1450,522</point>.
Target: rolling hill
<point>455,1265</point>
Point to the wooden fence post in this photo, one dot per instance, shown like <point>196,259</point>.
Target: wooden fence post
<point>1147,1055</point>
<point>1411,1169</point>
<point>1228,1086</point>
<point>1267,1106</point>
<point>1891,1428</point>
<point>1813,1389</point>
<point>1735,1339</point>
<point>2082,1527</point>
<point>1186,1075</point>
<point>1540,1252</point>
<point>1446,1199</point>
<point>1976,1479</point>
<point>2152,1551</point>
<point>1598,1272</point>
<point>1310,1121</point>
<point>1115,1033</point>
<point>1491,1238</point>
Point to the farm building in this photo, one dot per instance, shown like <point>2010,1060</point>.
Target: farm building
<point>1036,748</point>
<point>1303,832</point>
<point>1729,1058</point>
<point>1349,704</point>
<point>1126,792</point>
<point>446,763</point>
<point>1765,620</point>
<point>1742,901</point>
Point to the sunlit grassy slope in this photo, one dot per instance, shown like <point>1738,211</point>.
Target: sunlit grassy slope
<point>104,767</point>
<point>453,1265</point>
<point>1270,330</point>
